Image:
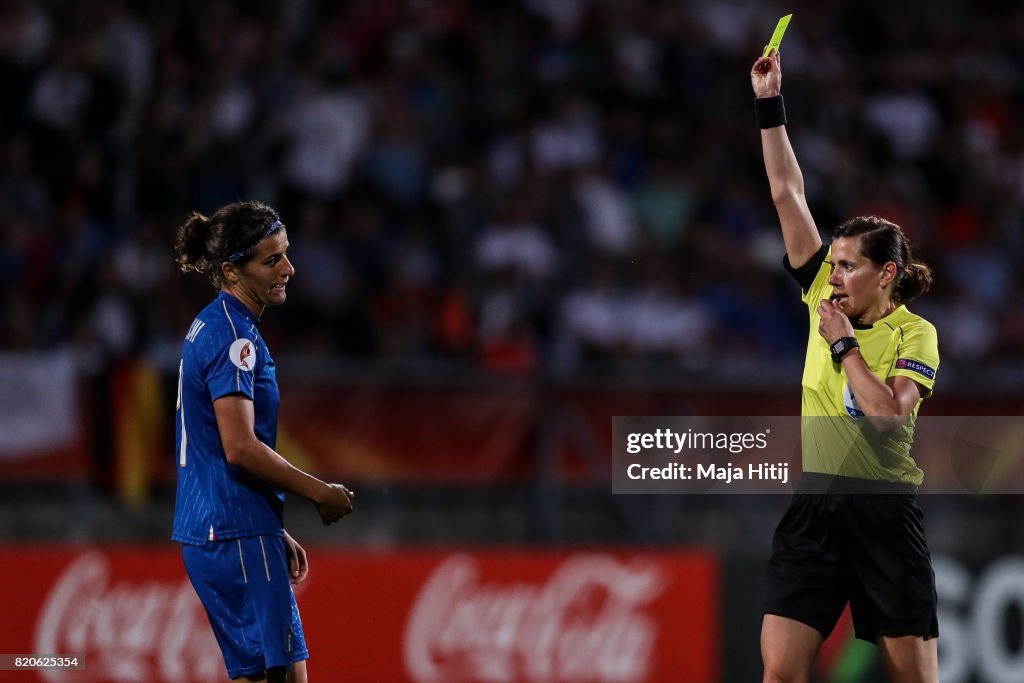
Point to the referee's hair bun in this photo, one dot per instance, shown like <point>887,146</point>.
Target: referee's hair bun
<point>915,281</point>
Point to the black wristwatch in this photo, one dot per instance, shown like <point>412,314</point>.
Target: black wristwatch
<point>843,346</point>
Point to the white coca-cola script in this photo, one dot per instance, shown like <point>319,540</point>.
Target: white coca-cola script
<point>588,622</point>
<point>144,631</point>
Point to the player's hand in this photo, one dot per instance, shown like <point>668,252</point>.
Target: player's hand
<point>766,75</point>
<point>298,566</point>
<point>336,505</point>
<point>834,323</point>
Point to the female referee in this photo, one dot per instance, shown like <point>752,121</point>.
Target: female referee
<point>853,532</point>
<point>228,512</point>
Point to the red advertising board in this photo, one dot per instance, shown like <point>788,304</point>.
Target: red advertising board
<point>454,616</point>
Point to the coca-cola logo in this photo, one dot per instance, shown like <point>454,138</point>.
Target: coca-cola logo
<point>147,631</point>
<point>587,622</point>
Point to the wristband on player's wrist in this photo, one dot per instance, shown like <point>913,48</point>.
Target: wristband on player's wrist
<point>842,346</point>
<point>770,112</point>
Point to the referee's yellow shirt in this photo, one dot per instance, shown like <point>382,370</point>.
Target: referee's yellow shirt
<point>836,437</point>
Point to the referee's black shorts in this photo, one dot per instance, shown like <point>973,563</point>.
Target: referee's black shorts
<point>865,549</point>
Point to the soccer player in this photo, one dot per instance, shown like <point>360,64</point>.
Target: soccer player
<point>853,532</point>
<point>228,512</point>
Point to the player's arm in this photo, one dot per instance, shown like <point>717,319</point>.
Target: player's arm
<point>787,182</point>
<point>298,565</point>
<point>236,421</point>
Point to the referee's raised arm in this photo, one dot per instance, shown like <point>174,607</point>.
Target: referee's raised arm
<point>787,183</point>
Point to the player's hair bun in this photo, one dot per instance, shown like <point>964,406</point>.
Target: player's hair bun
<point>190,246</point>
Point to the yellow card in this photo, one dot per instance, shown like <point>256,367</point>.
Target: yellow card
<point>780,30</point>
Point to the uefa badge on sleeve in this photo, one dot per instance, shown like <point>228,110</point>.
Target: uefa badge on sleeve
<point>243,354</point>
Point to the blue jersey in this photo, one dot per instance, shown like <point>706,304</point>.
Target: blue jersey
<point>223,354</point>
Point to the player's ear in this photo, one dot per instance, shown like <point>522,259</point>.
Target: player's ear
<point>230,272</point>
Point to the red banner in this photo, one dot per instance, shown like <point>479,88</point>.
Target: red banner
<point>409,434</point>
<point>494,616</point>
<point>468,435</point>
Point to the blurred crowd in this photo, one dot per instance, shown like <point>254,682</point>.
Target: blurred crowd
<point>541,185</point>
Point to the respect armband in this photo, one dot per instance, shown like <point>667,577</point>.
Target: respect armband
<point>770,111</point>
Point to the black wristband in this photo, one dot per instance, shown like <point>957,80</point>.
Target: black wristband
<point>770,111</point>
<point>843,346</point>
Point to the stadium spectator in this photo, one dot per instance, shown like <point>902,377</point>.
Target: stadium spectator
<point>425,122</point>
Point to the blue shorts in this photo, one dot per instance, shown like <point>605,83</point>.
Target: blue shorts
<point>243,583</point>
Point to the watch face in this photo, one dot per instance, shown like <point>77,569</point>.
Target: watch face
<point>840,347</point>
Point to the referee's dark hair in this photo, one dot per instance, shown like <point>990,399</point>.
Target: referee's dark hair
<point>882,241</point>
<point>203,244</point>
